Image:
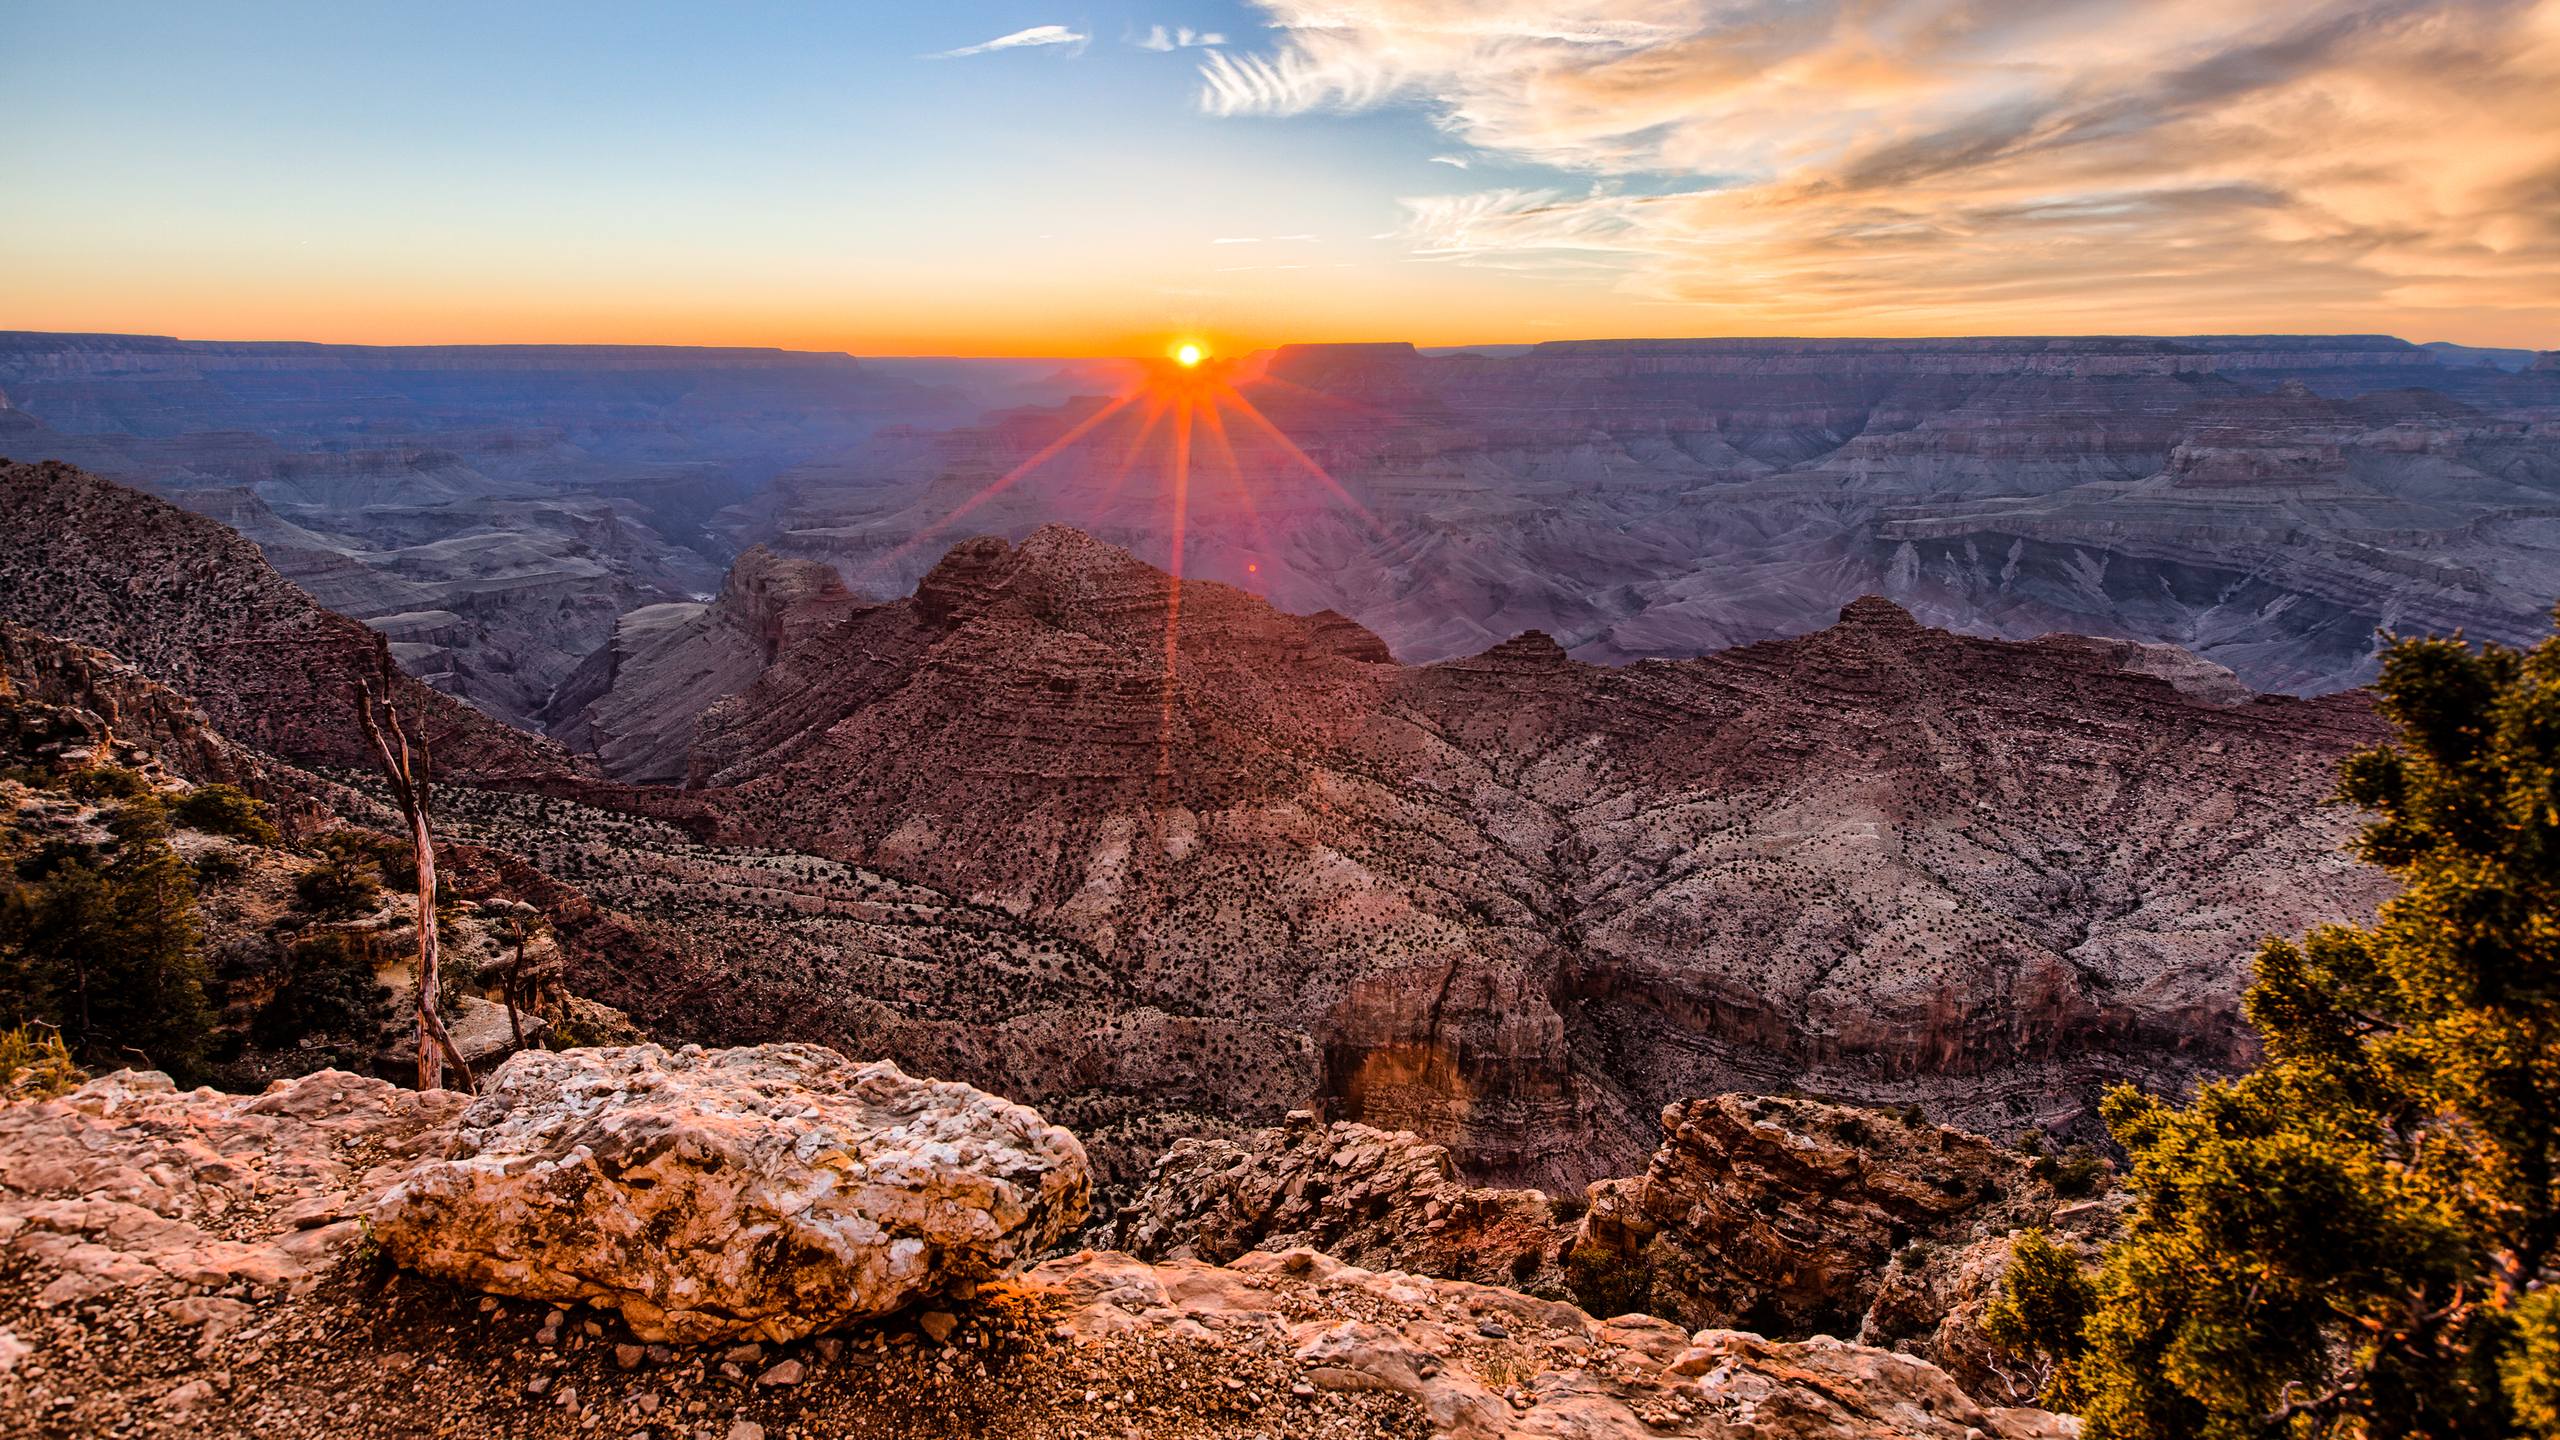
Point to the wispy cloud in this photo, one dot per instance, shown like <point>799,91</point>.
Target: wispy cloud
<point>1037,35</point>
<point>2038,161</point>
<point>1180,37</point>
<point>1454,162</point>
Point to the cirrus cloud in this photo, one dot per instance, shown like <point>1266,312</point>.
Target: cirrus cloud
<point>1034,37</point>
<point>2168,163</point>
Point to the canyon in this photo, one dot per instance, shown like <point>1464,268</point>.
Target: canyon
<point>2268,502</point>
<point>1163,860</point>
<point>1466,944</point>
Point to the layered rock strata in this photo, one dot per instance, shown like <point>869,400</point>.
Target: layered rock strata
<point>633,704</point>
<point>1515,903</point>
<point>1380,1199</point>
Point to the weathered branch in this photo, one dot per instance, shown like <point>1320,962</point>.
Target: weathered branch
<point>409,788</point>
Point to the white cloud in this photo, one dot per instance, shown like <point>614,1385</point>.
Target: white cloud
<point>1454,162</point>
<point>1180,37</point>
<point>2163,163</point>
<point>1037,35</point>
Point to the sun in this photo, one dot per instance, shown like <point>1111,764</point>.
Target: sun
<point>1189,354</point>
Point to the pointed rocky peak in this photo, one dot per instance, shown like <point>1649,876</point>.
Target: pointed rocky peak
<point>1529,653</point>
<point>1874,612</point>
<point>962,579</point>
<point>1063,551</point>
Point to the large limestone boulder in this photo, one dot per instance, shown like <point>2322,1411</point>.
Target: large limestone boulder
<point>770,1192</point>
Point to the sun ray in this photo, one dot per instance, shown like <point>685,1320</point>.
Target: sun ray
<point>1290,447</point>
<point>1007,480</point>
<point>1157,405</point>
<point>1216,424</point>
<point>1181,500</point>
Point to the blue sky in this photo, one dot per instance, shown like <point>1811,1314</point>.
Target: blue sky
<point>811,175</point>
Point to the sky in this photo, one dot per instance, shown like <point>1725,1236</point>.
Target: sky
<point>1071,178</point>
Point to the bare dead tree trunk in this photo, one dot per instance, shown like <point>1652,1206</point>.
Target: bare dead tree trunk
<point>409,787</point>
<point>515,1022</point>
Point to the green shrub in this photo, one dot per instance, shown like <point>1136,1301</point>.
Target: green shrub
<point>2072,1174</point>
<point>392,863</point>
<point>328,990</point>
<point>226,810</point>
<point>338,889</point>
<point>107,782</point>
<point>2357,1239</point>
<point>106,954</point>
<point>142,820</point>
<point>1607,1281</point>
<point>36,1065</point>
<point>219,867</point>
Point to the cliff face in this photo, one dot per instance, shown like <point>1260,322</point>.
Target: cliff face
<point>61,702</point>
<point>193,605</point>
<point>1781,1215</point>
<point>1516,903</point>
<point>633,703</point>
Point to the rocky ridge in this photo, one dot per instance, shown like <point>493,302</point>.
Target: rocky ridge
<point>196,607</point>
<point>1784,1216</point>
<point>1515,903</point>
<point>189,1263</point>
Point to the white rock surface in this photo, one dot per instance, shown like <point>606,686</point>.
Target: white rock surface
<point>1483,1363</point>
<point>772,1192</point>
<point>131,1182</point>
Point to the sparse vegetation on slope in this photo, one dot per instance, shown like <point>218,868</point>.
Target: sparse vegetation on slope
<point>2360,1237</point>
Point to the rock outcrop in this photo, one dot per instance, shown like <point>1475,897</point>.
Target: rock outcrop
<point>1481,1363</point>
<point>768,1193</point>
<point>1379,1199</point>
<point>63,703</point>
<point>191,1264</point>
<point>1791,1218</point>
<point>129,1182</point>
<point>1794,1217</point>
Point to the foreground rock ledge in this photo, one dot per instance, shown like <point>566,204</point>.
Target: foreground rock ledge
<point>177,1264</point>
<point>769,1192</point>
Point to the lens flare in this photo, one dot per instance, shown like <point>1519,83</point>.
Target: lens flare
<point>1175,409</point>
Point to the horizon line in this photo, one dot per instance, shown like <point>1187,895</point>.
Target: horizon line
<point>1242,351</point>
